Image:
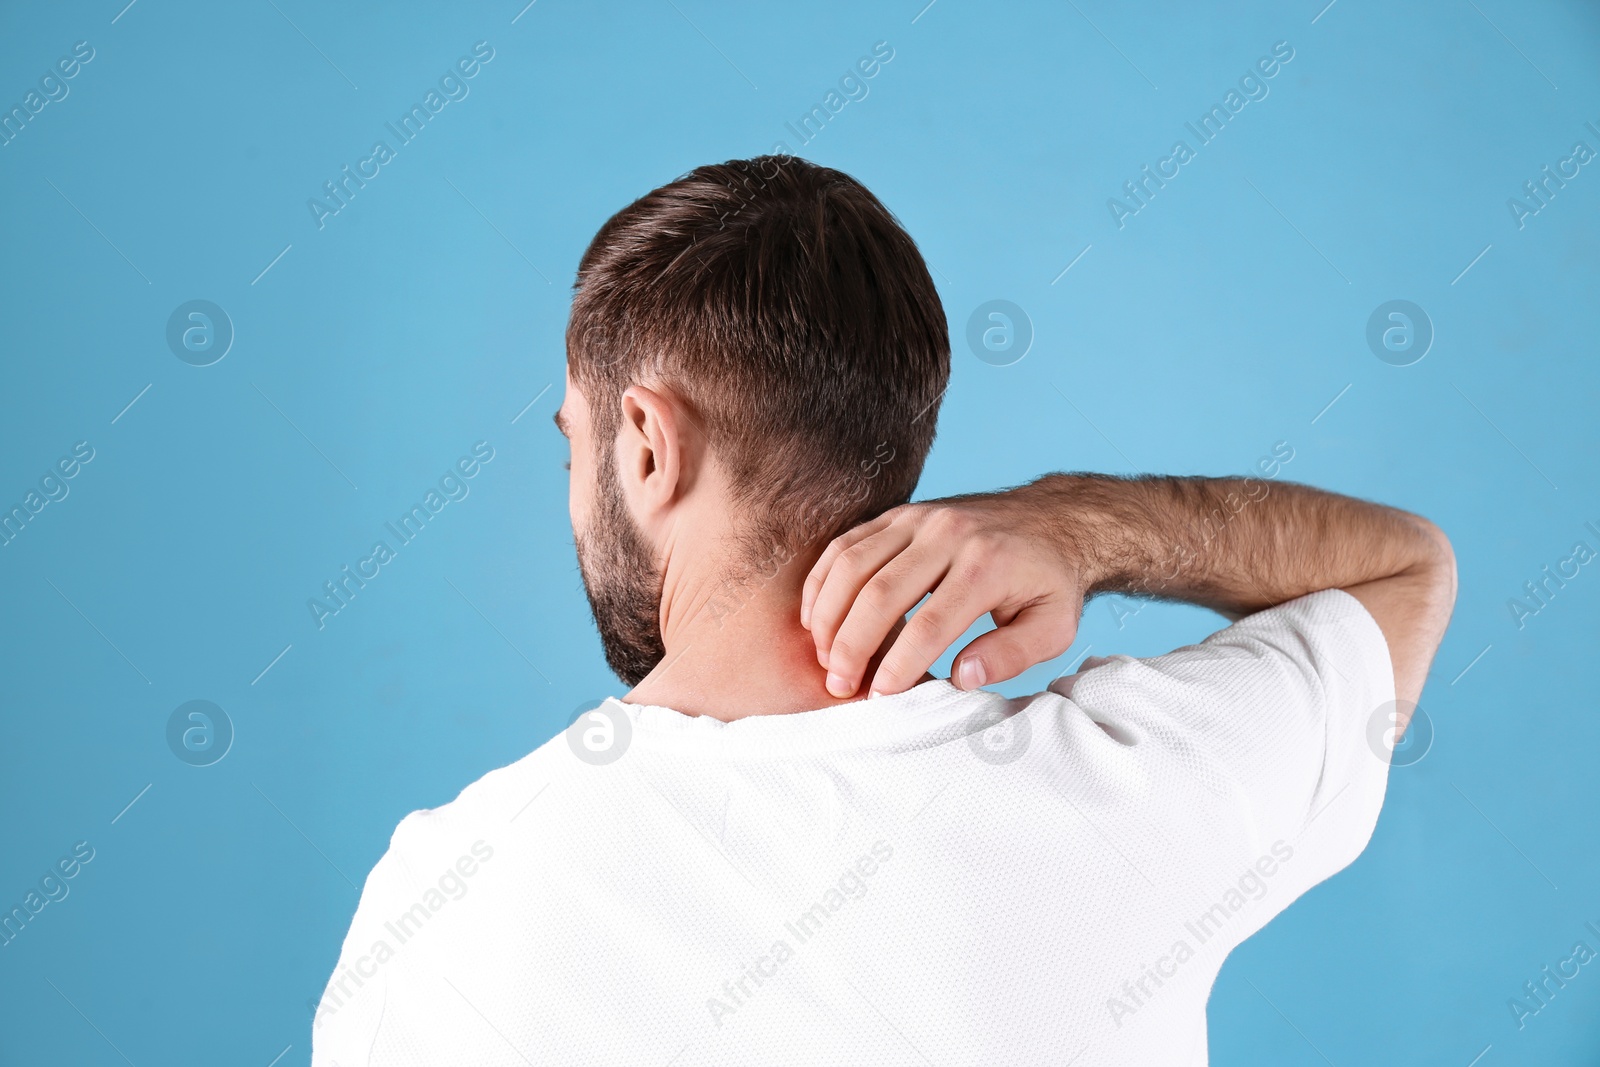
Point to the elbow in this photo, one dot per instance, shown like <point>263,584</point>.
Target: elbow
<point>1437,559</point>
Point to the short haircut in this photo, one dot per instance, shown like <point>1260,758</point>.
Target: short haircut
<point>792,313</point>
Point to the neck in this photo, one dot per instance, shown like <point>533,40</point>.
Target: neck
<point>735,654</point>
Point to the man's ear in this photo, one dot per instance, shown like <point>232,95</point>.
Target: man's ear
<point>650,450</point>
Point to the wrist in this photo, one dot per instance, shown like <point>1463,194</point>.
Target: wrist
<point>1076,515</point>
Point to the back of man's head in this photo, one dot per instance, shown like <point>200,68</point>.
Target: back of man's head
<point>793,315</point>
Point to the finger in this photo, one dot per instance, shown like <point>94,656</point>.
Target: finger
<point>954,606</point>
<point>819,569</point>
<point>1035,634</point>
<point>881,606</point>
<point>851,571</point>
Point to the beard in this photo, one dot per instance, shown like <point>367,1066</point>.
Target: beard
<point>621,580</point>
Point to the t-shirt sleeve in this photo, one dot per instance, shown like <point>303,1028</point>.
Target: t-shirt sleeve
<point>353,1004</point>
<point>1287,711</point>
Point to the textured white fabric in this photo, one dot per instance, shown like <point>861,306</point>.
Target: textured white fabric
<point>932,877</point>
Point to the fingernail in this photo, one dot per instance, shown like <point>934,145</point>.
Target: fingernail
<point>822,658</point>
<point>874,695</point>
<point>838,686</point>
<point>805,616</point>
<point>971,673</point>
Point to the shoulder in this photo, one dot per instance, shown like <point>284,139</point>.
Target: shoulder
<point>1325,643</point>
<point>499,803</point>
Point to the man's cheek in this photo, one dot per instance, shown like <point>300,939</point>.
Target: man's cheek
<point>580,493</point>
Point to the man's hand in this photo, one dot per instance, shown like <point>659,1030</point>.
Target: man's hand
<point>1001,554</point>
<point>1029,557</point>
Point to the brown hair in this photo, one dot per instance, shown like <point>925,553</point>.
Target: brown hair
<point>789,310</point>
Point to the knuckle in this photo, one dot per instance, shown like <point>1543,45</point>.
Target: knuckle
<point>986,543</point>
<point>963,523</point>
<point>876,594</point>
<point>944,522</point>
<point>825,623</point>
<point>844,657</point>
<point>850,560</point>
<point>1005,653</point>
<point>911,655</point>
<point>970,569</point>
<point>924,629</point>
<point>913,510</point>
<point>894,674</point>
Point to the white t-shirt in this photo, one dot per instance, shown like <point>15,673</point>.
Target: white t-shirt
<point>934,877</point>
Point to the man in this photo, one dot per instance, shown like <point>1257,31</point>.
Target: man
<point>789,843</point>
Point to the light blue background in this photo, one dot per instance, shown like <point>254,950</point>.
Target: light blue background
<point>1223,318</point>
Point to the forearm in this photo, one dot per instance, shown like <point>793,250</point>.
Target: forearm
<point>1237,545</point>
<point>1029,557</point>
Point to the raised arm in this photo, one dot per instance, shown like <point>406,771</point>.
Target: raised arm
<point>1031,556</point>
